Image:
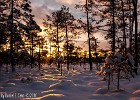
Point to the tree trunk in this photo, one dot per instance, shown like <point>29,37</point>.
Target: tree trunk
<point>39,66</point>
<point>50,54</point>
<point>11,39</point>
<point>88,30</point>
<point>113,23</point>
<point>124,33</point>
<point>58,48</point>
<point>131,22</point>
<point>67,48</point>
<point>136,33</point>
<point>32,50</point>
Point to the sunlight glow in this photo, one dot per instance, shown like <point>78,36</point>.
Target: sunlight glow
<point>53,85</point>
<point>51,95</point>
<point>48,91</point>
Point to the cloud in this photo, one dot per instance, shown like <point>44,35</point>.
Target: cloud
<point>52,4</point>
<point>39,9</point>
<point>42,7</point>
<point>69,2</point>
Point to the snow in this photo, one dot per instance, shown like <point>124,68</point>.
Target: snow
<point>78,84</point>
<point>118,57</point>
<point>130,59</point>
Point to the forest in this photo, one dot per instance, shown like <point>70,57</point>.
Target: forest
<point>27,56</point>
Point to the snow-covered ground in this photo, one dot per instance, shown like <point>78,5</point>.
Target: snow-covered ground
<point>78,84</point>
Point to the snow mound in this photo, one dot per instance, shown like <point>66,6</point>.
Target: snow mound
<point>101,91</point>
<point>88,78</point>
<point>104,94</point>
<point>95,83</point>
<point>10,84</point>
<point>77,81</point>
<point>134,86</point>
<point>7,89</point>
<point>79,75</point>
<point>53,97</point>
<point>37,85</point>
<point>84,89</point>
<point>136,93</point>
<point>14,81</point>
<point>63,84</point>
<point>101,97</point>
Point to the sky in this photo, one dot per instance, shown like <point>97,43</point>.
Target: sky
<point>42,7</point>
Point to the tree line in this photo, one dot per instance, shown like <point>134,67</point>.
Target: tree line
<point>18,34</point>
<point>116,19</point>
